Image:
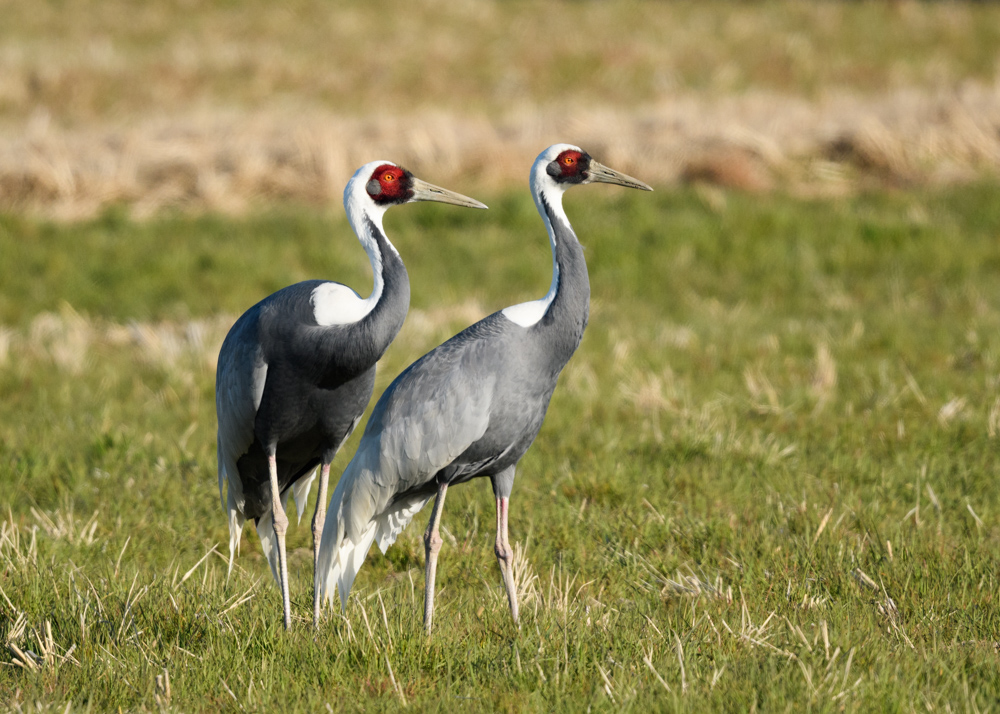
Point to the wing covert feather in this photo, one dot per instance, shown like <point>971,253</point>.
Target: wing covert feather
<point>431,416</point>
<point>425,420</point>
<point>427,417</point>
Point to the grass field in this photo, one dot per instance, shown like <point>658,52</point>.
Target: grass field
<point>767,480</point>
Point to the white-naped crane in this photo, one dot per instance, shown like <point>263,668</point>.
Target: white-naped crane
<point>297,370</point>
<point>470,407</point>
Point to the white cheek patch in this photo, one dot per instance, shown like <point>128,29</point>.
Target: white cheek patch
<point>336,304</point>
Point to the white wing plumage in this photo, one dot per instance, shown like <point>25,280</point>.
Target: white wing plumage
<point>239,385</point>
<point>426,419</point>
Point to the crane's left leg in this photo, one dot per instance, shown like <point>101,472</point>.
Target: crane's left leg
<point>318,520</point>
<point>280,521</point>
<point>503,483</point>
<point>432,546</point>
<point>505,555</point>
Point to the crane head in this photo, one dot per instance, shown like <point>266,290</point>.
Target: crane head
<point>390,184</point>
<point>569,165</point>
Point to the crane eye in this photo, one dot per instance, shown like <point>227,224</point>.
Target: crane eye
<point>569,160</point>
<point>390,177</point>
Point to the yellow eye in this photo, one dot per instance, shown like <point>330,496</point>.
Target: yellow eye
<point>569,160</point>
<point>390,177</point>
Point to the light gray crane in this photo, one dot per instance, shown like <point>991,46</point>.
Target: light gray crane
<point>296,372</point>
<point>471,407</point>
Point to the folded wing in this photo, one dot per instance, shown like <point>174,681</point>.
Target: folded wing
<point>429,416</point>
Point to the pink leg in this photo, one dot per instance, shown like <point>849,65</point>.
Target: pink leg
<point>432,546</point>
<point>318,520</point>
<point>280,521</point>
<point>505,556</point>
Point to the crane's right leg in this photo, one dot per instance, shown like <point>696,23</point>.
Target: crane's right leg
<point>432,546</point>
<point>505,556</point>
<point>318,521</point>
<point>503,482</point>
<point>280,521</point>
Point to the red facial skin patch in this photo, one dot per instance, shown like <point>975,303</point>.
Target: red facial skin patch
<point>388,183</point>
<point>571,163</point>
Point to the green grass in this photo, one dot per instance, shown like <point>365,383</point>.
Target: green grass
<point>726,480</point>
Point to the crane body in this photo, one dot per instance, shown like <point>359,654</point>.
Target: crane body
<point>469,408</point>
<point>297,370</point>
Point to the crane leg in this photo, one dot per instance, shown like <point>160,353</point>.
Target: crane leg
<point>280,521</point>
<point>505,557</point>
<point>432,546</point>
<point>318,520</point>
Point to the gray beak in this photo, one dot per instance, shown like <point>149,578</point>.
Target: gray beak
<point>423,191</point>
<point>599,173</point>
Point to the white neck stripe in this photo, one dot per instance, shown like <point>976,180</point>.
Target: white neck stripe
<point>336,304</point>
<point>545,192</point>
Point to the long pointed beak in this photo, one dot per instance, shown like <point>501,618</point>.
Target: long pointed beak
<point>599,173</point>
<point>423,191</point>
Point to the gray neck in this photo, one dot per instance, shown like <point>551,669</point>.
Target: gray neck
<point>381,325</point>
<point>564,321</point>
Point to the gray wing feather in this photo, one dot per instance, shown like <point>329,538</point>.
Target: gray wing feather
<point>428,417</point>
<point>239,385</point>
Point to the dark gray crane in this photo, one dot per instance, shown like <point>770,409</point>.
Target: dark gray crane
<point>470,407</point>
<point>297,370</point>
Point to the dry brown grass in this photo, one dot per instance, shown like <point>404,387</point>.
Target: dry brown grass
<point>212,105</point>
<point>755,141</point>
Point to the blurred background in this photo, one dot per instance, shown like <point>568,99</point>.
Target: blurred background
<point>221,105</point>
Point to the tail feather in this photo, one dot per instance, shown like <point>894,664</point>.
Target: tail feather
<point>268,542</point>
<point>229,476</point>
<point>361,511</point>
<point>339,565</point>
<point>236,521</point>
<point>391,523</point>
<point>222,473</point>
<point>351,558</point>
<point>232,503</point>
<point>300,492</point>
